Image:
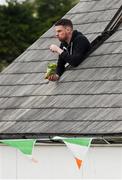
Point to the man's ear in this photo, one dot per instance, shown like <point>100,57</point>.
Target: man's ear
<point>68,28</point>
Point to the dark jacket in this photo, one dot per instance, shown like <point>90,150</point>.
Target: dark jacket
<point>74,52</point>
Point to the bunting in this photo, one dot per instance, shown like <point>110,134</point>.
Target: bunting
<point>78,147</point>
<point>24,145</point>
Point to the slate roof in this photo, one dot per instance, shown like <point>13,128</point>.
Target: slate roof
<point>87,100</point>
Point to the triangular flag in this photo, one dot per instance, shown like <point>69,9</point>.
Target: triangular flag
<point>79,162</point>
<point>24,145</point>
<point>78,147</point>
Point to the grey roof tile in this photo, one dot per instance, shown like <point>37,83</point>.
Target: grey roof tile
<point>91,6</point>
<point>62,101</point>
<point>86,100</point>
<point>59,114</point>
<point>70,127</point>
<point>93,74</point>
<point>91,17</point>
<point>77,87</point>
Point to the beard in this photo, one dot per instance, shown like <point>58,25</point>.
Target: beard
<point>62,39</point>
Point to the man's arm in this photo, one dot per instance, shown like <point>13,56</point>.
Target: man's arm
<point>60,67</point>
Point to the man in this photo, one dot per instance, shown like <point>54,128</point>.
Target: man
<point>73,48</point>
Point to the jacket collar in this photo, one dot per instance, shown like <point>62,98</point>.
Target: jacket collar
<point>74,34</point>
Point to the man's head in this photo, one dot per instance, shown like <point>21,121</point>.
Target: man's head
<point>64,29</point>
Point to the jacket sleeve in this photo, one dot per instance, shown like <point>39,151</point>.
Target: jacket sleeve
<point>80,47</point>
<point>60,64</point>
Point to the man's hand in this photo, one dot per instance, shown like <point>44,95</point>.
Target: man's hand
<point>55,48</point>
<point>53,77</point>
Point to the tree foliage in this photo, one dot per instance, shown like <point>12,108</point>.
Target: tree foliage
<point>22,23</point>
<point>18,29</point>
<point>49,12</point>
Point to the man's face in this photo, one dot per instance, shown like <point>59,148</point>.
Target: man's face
<point>62,32</point>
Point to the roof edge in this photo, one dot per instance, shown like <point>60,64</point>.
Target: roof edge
<point>50,135</point>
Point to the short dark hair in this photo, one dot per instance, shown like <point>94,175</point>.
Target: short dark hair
<point>64,22</point>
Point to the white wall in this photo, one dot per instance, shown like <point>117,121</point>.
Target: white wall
<point>57,162</point>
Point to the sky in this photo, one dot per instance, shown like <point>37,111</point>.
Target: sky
<point>3,1</point>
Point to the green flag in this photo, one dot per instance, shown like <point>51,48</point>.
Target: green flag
<point>24,145</point>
